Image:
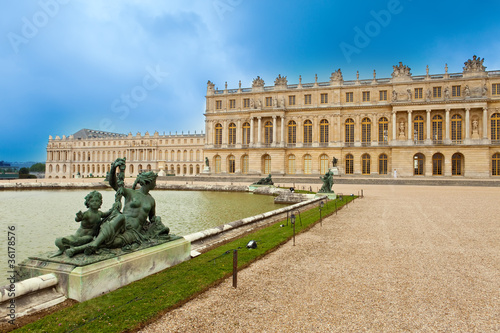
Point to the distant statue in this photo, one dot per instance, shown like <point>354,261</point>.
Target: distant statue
<point>89,226</point>
<point>283,102</point>
<point>475,125</point>
<point>252,104</point>
<point>334,162</point>
<point>275,102</point>
<point>408,93</point>
<point>327,182</point>
<point>467,91</point>
<point>401,128</point>
<point>394,95</point>
<point>207,162</point>
<point>137,223</point>
<point>264,181</point>
<point>447,93</point>
<point>484,91</point>
<point>428,95</point>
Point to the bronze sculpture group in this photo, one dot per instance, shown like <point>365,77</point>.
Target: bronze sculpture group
<point>126,229</point>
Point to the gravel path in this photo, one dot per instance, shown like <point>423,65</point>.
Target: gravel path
<point>404,258</point>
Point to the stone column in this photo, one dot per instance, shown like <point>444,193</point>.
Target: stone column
<point>447,129</point>
<point>225,132</point>
<point>410,127</point>
<point>467,123</point>
<point>394,126</point>
<point>238,132</point>
<point>339,129</point>
<point>274,130</point>
<point>259,130</point>
<point>282,141</point>
<point>251,131</point>
<point>485,123</point>
<point>428,124</point>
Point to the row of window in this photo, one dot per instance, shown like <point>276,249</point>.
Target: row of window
<point>123,143</point>
<point>418,93</point>
<point>457,130</point>
<point>112,155</point>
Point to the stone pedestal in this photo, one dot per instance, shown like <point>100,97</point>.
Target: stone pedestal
<point>335,171</point>
<point>82,283</point>
<point>254,187</point>
<point>206,170</point>
<point>331,196</point>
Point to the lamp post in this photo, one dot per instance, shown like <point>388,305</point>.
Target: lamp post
<point>292,220</point>
<point>321,204</point>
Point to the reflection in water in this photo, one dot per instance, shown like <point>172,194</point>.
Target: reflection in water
<point>42,216</point>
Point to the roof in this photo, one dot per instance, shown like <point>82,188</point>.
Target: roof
<point>90,134</point>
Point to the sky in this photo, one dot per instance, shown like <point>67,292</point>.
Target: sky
<point>143,65</point>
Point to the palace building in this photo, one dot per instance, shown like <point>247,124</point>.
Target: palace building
<point>429,125</point>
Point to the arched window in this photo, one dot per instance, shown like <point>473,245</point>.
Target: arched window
<point>231,164</point>
<point>185,155</point>
<point>231,134</point>
<point>366,131</point>
<point>178,155</point>
<point>456,128</point>
<point>131,169</point>
<point>437,164</point>
<point>268,132</point>
<point>495,165</point>
<point>418,164</point>
<point>178,169</point>
<point>383,130</point>
<point>266,164</point>
<point>244,164</point>
<point>184,169</point>
<point>292,132</point>
<point>246,133</point>
<point>172,155</point>
<point>349,131</point>
<point>365,164</point>
<point>495,127</point>
<point>190,169</point>
<point>160,155</point>
<point>323,132</point>
<point>307,164</point>
<point>218,134</point>
<point>437,129</point>
<point>323,163</point>
<point>382,164</point>
<point>307,132</point>
<point>457,164</point>
<point>291,164</point>
<point>217,163</point>
<point>418,128</point>
<point>191,155</point>
<point>349,164</point>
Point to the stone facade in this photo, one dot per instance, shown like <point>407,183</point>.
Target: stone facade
<point>412,126</point>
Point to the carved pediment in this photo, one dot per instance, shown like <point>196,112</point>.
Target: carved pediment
<point>280,81</point>
<point>258,83</point>
<point>474,65</point>
<point>401,71</point>
<point>336,76</point>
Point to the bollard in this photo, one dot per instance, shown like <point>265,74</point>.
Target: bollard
<point>235,268</point>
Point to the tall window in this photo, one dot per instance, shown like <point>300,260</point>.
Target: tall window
<point>323,131</point>
<point>436,92</point>
<point>269,101</point>
<point>418,128</point>
<point>232,134</point>
<point>366,96</point>
<point>218,134</point>
<point>246,134</point>
<point>437,128</point>
<point>246,102</point>
<point>266,164</point>
<point>291,164</point>
<point>324,162</point>
<point>495,89</point>
<point>382,164</point>
<point>456,128</point>
<point>231,164</point>
<point>383,95</point>
<point>292,132</point>
<point>366,131</point>
<point>349,164</point>
<point>232,103</point>
<point>366,164</point>
<point>217,162</point>
<point>307,164</point>
<point>495,165</point>
<point>418,164</point>
<point>244,164</point>
<point>383,130</point>
<point>349,131</point>
<point>291,100</point>
<point>495,127</point>
<point>307,132</point>
<point>437,164</point>
<point>218,105</point>
<point>457,164</point>
<point>268,132</point>
<point>324,98</point>
<point>349,97</point>
<point>418,94</point>
<point>307,99</point>
<point>455,91</point>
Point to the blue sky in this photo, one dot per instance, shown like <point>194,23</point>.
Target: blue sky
<point>142,65</point>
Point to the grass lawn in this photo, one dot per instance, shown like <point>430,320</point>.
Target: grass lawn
<point>140,302</point>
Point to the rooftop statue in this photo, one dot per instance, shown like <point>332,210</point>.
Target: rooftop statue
<point>327,182</point>
<point>126,229</point>
<point>264,181</point>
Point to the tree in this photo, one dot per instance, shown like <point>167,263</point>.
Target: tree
<point>24,171</point>
<point>38,167</point>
